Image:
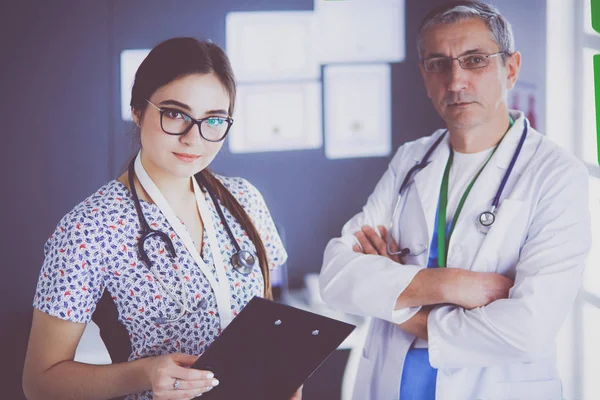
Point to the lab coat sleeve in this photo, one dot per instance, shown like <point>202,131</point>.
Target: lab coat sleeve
<point>524,327</point>
<point>363,284</point>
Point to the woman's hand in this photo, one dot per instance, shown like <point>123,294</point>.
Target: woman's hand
<point>171,378</point>
<point>297,395</point>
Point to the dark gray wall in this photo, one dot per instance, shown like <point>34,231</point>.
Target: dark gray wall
<point>308,194</point>
<point>63,137</point>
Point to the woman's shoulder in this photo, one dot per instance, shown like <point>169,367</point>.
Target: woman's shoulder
<point>246,194</point>
<point>239,187</point>
<point>97,206</point>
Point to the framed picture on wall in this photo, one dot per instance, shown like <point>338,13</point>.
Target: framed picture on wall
<point>360,31</point>
<point>525,97</point>
<point>276,117</point>
<point>272,46</point>
<point>357,110</point>
<point>130,62</point>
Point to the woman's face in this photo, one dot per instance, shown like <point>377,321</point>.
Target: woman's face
<point>168,156</point>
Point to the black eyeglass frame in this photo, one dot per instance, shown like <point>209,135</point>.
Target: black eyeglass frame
<point>460,61</point>
<point>193,121</point>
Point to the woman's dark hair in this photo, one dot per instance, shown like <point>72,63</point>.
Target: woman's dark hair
<point>174,59</point>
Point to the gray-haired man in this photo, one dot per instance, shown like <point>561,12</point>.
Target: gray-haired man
<point>488,239</point>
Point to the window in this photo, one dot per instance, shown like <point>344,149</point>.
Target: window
<point>589,45</point>
<point>571,122</point>
<point>587,19</point>
<point>587,321</point>
<point>589,148</point>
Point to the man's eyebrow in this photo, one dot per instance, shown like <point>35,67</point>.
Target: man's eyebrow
<point>436,55</point>
<point>477,50</point>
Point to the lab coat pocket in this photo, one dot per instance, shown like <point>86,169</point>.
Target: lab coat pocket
<point>533,390</point>
<point>502,238</point>
<point>364,380</point>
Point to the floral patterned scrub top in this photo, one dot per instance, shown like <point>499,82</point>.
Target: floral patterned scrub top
<point>94,248</point>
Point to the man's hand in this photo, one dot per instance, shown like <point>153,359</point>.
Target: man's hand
<point>464,288</point>
<point>372,243</point>
<point>417,324</point>
<point>477,289</point>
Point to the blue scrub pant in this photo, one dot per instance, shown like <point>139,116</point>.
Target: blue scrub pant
<point>418,376</point>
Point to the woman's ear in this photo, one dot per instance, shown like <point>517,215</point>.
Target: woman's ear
<point>136,117</point>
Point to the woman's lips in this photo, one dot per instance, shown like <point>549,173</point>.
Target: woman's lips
<point>189,158</point>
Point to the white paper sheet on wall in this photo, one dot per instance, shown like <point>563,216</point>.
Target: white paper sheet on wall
<point>357,111</point>
<point>272,46</point>
<point>276,117</point>
<point>360,31</point>
<point>130,62</point>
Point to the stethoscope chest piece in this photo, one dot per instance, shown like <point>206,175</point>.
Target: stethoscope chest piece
<point>485,221</point>
<point>244,261</point>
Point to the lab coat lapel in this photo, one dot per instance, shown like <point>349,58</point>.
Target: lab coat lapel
<point>429,180</point>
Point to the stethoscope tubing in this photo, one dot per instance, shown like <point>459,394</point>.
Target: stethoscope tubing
<point>245,265</point>
<point>425,161</point>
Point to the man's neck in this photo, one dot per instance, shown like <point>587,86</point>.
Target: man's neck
<point>481,137</point>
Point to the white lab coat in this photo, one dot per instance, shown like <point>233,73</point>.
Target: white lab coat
<point>505,350</point>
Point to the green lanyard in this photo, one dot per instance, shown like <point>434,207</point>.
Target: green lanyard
<point>442,240</point>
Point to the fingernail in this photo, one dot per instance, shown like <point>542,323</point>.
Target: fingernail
<point>215,382</point>
<point>210,375</point>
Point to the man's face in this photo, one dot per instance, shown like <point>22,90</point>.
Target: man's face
<point>466,98</point>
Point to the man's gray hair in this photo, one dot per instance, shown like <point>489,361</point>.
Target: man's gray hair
<point>457,11</point>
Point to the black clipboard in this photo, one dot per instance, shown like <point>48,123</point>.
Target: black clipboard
<point>269,350</point>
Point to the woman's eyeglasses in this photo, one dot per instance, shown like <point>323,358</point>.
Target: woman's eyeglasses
<point>176,122</point>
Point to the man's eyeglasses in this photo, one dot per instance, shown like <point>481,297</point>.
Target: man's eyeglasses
<point>176,122</point>
<point>468,61</point>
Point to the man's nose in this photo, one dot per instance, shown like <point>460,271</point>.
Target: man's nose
<point>457,77</point>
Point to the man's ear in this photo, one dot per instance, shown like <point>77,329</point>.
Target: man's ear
<point>513,65</point>
<point>422,69</point>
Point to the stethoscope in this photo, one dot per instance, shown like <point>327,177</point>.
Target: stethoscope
<point>484,221</point>
<point>243,261</point>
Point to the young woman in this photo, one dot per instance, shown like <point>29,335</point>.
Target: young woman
<point>180,250</point>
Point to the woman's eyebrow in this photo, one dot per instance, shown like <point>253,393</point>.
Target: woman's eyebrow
<point>171,102</point>
<point>175,103</point>
<point>221,112</point>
